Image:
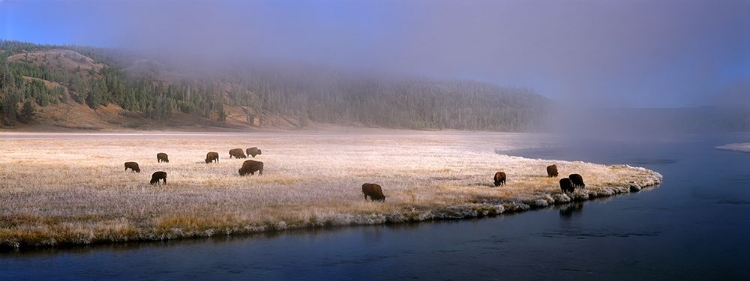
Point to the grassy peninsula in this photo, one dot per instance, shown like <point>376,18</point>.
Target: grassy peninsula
<point>72,189</point>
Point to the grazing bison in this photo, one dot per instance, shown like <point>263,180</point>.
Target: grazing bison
<point>552,171</point>
<point>374,191</point>
<point>162,157</point>
<point>577,180</point>
<point>237,153</point>
<point>253,151</point>
<point>212,156</point>
<point>499,178</point>
<point>133,167</point>
<point>250,167</point>
<point>160,175</point>
<point>566,185</point>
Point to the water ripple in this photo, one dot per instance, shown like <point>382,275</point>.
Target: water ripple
<point>733,202</point>
<point>598,234</point>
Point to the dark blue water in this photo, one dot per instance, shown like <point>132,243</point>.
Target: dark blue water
<point>695,226</point>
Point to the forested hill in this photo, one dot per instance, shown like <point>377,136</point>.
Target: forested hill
<point>58,85</point>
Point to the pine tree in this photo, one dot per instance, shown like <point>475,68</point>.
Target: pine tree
<point>222,115</point>
<point>10,107</point>
<point>28,111</point>
<point>92,100</point>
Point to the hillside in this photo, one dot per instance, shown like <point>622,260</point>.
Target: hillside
<point>104,89</point>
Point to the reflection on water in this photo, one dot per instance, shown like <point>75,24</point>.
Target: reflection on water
<point>571,209</point>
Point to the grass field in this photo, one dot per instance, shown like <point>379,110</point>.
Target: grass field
<point>60,189</point>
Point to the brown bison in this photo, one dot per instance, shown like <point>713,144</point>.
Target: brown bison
<point>552,171</point>
<point>499,178</point>
<point>133,167</point>
<point>237,153</point>
<point>577,180</point>
<point>250,167</point>
<point>374,191</point>
<point>253,151</point>
<point>160,175</point>
<point>566,185</point>
<point>162,157</point>
<point>212,156</point>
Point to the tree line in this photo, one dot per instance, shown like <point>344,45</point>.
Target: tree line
<point>305,93</point>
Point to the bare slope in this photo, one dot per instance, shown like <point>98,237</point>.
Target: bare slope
<point>60,60</point>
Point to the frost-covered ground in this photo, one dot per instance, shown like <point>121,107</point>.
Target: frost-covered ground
<point>73,189</point>
<point>743,147</point>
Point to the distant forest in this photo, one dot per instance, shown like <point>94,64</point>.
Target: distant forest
<point>42,75</point>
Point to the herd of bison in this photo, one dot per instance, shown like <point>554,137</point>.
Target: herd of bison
<point>373,190</point>
<point>248,167</point>
<point>566,184</point>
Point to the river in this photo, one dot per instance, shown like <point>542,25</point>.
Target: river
<point>694,226</point>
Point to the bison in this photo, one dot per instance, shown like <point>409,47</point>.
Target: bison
<point>253,151</point>
<point>552,170</point>
<point>212,156</point>
<point>577,180</point>
<point>160,175</point>
<point>237,153</point>
<point>499,178</point>
<point>250,167</point>
<point>374,191</point>
<point>133,167</point>
<point>566,185</point>
<point>162,157</point>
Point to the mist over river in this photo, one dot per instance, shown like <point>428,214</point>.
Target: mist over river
<point>694,226</point>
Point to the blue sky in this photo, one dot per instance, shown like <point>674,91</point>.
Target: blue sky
<point>639,53</point>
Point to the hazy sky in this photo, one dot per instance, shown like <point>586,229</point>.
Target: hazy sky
<point>651,53</point>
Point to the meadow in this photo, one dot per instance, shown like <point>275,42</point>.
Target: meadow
<point>72,189</point>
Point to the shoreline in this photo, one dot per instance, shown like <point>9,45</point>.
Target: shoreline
<point>466,211</point>
<point>425,177</point>
<point>740,147</point>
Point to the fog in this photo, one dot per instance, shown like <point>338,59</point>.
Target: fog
<point>583,55</point>
<point>595,53</point>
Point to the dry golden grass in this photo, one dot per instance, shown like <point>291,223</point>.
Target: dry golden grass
<point>59,59</point>
<point>60,189</point>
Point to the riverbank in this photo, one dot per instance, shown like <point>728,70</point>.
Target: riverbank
<point>71,189</point>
